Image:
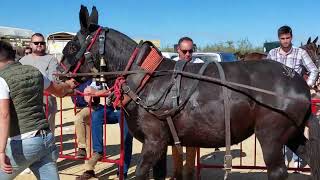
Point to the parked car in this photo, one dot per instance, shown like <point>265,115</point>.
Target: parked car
<point>215,56</point>
<point>170,55</point>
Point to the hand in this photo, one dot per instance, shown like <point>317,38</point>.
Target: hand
<point>103,93</point>
<point>72,83</point>
<point>89,91</point>
<point>5,164</point>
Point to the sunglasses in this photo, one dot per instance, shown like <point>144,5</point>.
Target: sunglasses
<point>37,43</point>
<point>185,51</point>
<point>26,53</point>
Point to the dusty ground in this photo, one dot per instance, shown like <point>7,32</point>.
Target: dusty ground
<point>69,169</point>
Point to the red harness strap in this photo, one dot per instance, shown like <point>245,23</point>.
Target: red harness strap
<point>150,64</point>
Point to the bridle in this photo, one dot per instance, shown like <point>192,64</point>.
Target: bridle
<point>84,54</point>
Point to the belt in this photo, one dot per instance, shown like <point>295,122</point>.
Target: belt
<point>44,131</point>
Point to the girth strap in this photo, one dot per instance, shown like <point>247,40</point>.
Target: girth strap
<point>174,134</point>
<point>175,102</point>
<point>177,82</point>
<point>226,103</point>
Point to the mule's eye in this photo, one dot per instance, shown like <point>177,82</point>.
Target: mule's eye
<point>71,48</point>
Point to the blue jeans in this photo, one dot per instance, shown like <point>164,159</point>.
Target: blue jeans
<point>113,117</point>
<point>39,153</point>
<point>287,154</point>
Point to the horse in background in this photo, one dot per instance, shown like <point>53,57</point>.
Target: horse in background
<point>254,56</point>
<point>248,56</point>
<point>313,50</point>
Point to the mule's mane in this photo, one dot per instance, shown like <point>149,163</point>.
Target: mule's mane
<point>119,47</point>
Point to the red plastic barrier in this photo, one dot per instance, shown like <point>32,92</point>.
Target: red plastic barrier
<point>119,162</point>
<point>199,165</point>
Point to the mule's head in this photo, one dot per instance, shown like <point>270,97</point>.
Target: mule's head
<point>75,49</point>
<point>312,50</point>
<point>117,46</point>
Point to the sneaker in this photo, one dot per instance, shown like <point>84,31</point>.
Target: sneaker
<point>95,158</point>
<point>81,153</point>
<point>86,175</point>
<point>26,171</point>
<point>125,175</point>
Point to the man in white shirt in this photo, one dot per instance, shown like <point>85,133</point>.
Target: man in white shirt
<point>47,65</point>
<point>296,59</point>
<point>293,57</point>
<point>185,50</point>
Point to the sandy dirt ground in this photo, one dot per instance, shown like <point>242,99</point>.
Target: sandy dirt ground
<point>70,169</point>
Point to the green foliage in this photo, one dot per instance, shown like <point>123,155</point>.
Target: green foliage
<point>167,49</point>
<point>242,46</point>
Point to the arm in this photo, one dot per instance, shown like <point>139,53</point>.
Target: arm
<point>52,68</point>
<point>269,54</point>
<point>90,91</point>
<point>311,67</point>
<point>4,123</point>
<point>4,126</point>
<point>59,89</point>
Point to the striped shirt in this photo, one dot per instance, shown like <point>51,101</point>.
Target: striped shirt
<point>296,59</point>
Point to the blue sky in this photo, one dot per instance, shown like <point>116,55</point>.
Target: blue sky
<point>206,21</point>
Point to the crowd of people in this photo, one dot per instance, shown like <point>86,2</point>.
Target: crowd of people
<point>27,139</point>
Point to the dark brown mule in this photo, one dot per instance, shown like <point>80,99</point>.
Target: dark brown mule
<point>275,120</point>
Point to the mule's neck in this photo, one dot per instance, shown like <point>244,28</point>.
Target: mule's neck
<point>119,48</point>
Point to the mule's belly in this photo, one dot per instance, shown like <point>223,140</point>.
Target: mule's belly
<point>205,126</point>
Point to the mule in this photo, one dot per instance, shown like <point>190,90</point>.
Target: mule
<point>276,120</point>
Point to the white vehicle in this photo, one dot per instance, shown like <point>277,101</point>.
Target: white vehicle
<point>57,41</point>
<point>170,55</point>
<point>215,56</point>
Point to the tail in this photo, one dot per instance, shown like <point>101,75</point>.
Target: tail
<point>314,140</point>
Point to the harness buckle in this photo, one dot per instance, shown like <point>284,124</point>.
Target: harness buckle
<point>126,91</point>
<point>87,55</point>
<point>138,100</point>
<point>228,162</point>
<point>88,37</point>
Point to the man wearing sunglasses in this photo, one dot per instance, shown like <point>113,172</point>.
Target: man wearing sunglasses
<point>47,64</point>
<point>185,49</point>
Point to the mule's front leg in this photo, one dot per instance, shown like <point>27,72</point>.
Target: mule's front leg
<point>151,153</point>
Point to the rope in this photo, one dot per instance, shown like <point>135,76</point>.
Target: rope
<point>116,89</point>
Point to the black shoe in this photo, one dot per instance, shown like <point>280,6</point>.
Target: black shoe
<point>81,154</point>
<point>124,176</point>
<point>86,175</point>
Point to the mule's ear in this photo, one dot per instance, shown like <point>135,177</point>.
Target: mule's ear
<point>94,16</point>
<point>309,40</point>
<point>84,18</point>
<point>93,20</point>
<point>315,40</point>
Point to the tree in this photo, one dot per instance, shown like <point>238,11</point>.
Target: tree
<point>242,46</point>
